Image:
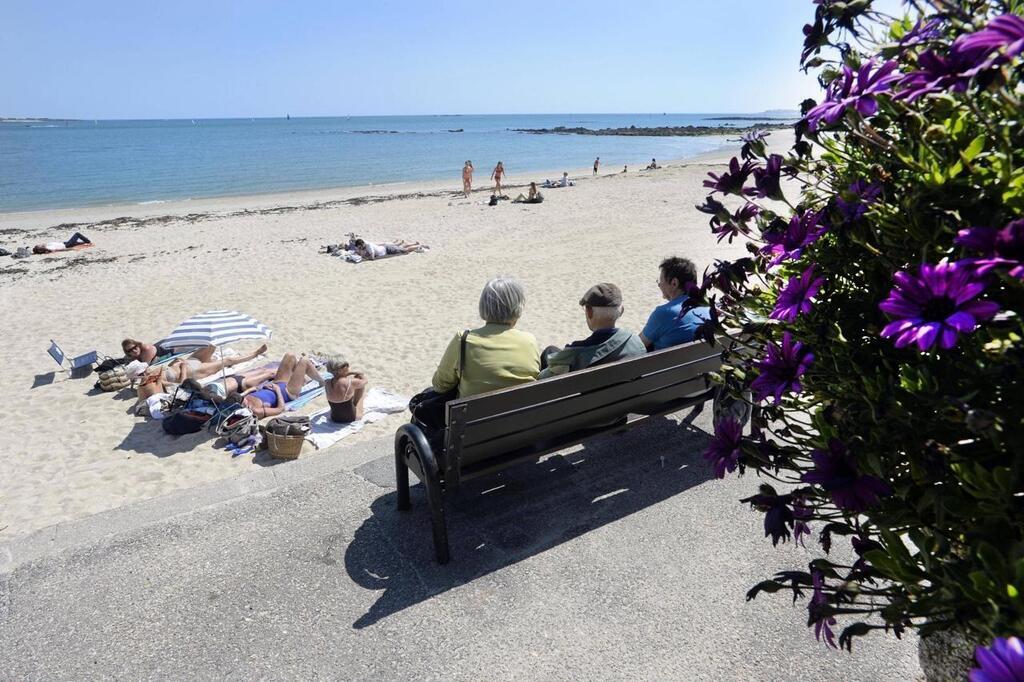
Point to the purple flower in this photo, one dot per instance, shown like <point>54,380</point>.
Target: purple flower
<point>1001,661</point>
<point>939,74</point>
<point>1005,31</point>
<point>796,297</point>
<point>835,471</point>
<point>922,33</point>
<point>936,306</point>
<point>780,513</point>
<point>998,248</point>
<point>822,624</point>
<point>781,369</point>
<point>848,91</point>
<point>724,448</point>
<point>803,229</point>
<point>766,180</point>
<point>854,202</point>
<point>731,182</point>
<point>801,515</point>
<point>736,224</point>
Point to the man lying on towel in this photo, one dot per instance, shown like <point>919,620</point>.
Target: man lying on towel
<point>77,239</point>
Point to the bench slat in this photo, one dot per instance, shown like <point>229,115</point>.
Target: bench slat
<point>498,447</point>
<point>479,431</point>
<point>583,381</point>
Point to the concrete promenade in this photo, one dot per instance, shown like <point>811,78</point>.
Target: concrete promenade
<point>618,560</point>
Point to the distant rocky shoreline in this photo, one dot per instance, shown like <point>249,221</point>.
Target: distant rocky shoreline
<point>661,131</point>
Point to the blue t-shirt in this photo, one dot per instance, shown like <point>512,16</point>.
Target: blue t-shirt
<point>666,328</point>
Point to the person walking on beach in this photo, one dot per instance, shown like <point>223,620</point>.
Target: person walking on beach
<point>496,175</point>
<point>467,178</point>
<point>597,162</point>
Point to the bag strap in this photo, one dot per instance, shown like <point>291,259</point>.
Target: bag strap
<point>462,355</point>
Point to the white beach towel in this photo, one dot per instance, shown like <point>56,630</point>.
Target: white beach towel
<point>378,404</point>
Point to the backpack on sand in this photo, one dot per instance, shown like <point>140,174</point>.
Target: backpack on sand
<point>113,380</point>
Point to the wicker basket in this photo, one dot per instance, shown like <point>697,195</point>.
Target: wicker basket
<point>284,447</point>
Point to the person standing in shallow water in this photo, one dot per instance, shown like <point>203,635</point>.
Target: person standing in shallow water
<point>497,174</point>
<point>597,162</point>
<point>467,178</point>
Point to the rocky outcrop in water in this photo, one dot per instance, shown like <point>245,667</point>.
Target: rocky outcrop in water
<point>661,131</point>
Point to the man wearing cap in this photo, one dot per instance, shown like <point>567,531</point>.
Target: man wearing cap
<point>602,305</point>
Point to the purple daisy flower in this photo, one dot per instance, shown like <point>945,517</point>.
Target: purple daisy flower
<point>732,181</point>
<point>854,202</point>
<point>999,248</point>
<point>736,224</point>
<point>801,516</point>
<point>922,33</point>
<point>767,179</point>
<point>835,471</point>
<point>936,73</point>
<point>724,448</point>
<point>780,513</point>
<point>822,624</point>
<point>858,92</point>
<point>803,229</point>
<point>781,369</point>
<point>937,305</point>
<point>796,297</point>
<point>1005,31</point>
<point>1001,661</point>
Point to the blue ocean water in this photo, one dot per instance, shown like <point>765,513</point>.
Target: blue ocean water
<point>86,163</point>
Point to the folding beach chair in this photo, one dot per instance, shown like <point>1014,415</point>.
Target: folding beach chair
<point>79,362</point>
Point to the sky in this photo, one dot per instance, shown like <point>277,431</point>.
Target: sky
<point>220,58</point>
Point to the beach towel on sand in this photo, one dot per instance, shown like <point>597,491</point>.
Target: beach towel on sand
<point>377,405</point>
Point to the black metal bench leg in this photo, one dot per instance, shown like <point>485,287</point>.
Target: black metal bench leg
<point>437,520</point>
<point>410,441</point>
<point>401,477</point>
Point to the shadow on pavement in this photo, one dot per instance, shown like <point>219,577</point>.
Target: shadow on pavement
<point>502,519</point>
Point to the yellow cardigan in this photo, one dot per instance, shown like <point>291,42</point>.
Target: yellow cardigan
<point>497,356</point>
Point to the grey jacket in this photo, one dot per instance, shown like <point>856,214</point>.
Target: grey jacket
<point>620,345</point>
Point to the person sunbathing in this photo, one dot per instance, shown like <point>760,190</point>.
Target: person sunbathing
<point>199,365</point>
<point>77,239</point>
<point>345,390</point>
<point>372,251</point>
<point>534,196</point>
<point>653,166</point>
<point>270,397</point>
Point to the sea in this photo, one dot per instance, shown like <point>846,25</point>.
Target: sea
<point>46,164</point>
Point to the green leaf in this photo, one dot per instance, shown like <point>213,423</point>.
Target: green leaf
<point>973,149</point>
<point>991,559</point>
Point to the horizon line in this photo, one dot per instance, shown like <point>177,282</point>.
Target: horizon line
<point>286,115</point>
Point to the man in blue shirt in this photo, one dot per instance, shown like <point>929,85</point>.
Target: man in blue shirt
<point>666,327</point>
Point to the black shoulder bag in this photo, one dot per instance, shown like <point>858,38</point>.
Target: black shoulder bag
<point>427,406</point>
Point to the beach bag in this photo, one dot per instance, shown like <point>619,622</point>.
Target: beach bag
<point>111,363</point>
<point>427,406</point>
<point>286,435</point>
<point>113,380</point>
<point>184,421</point>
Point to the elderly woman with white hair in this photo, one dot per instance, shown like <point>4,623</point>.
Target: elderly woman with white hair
<point>497,354</point>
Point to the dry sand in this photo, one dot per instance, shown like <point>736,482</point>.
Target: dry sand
<point>67,453</point>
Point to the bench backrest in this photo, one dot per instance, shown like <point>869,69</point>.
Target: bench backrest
<point>490,425</point>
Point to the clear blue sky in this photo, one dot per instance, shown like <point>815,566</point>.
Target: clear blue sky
<point>218,58</point>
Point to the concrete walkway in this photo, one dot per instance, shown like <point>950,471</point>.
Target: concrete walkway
<point>621,559</point>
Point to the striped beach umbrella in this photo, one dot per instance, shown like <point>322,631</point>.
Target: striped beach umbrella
<point>215,328</point>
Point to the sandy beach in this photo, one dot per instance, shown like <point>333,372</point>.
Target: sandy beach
<point>69,452</point>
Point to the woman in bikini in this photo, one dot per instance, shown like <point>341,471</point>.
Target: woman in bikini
<point>345,391</point>
<point>496,175</point>
<point>270,398</point>
<point>467,178</point>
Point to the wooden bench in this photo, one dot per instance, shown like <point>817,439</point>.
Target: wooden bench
<point>491,431</point>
